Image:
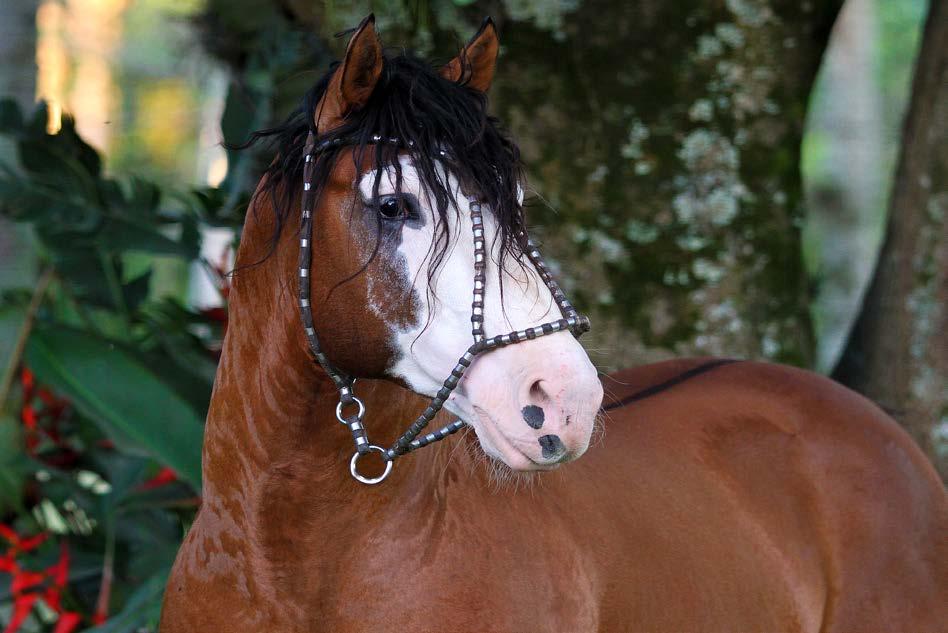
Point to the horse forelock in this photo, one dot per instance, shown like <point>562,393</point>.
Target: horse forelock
<point>443,126</point>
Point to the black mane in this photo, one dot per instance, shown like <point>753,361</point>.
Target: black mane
<point>413,103</point>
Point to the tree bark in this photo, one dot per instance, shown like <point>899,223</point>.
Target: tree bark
<point>897,353</point>
<point>666,135</point>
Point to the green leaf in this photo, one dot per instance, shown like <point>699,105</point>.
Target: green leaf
<point>136,290</point>
<point>187,374</point>
<point>173,495</point>
<point>50,153</point>
<point>124,472</point>
<point>49,203</point>
<point>119,236</point>
<point>83,270</point>
<point>11,118</point>
<point>13,473</point>
<point>141,609</point>
<point>114,387</point>
<point>36,125</point>
<point>143,197</point>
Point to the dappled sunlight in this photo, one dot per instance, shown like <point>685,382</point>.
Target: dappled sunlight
<point>52,61</point>
<point>94,32</point>
<point>164,120</point>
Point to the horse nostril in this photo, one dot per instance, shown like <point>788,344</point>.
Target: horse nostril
<point>536,391</point>
<point>533,415</point>
<point>552,446</point>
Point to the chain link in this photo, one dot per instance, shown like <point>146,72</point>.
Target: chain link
<point>339,408</point>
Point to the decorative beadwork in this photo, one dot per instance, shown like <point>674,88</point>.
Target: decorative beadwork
<point>480,272</point>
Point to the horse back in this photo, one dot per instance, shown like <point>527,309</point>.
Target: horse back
<point>752,468</point>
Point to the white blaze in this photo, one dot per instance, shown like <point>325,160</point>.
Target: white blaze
<point>552,372</point>
<point>428,354</point>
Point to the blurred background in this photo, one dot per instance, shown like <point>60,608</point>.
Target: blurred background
<point>747,178</point>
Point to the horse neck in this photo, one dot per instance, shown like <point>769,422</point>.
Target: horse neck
<point>272,436</point>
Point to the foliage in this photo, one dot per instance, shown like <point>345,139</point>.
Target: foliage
<point>100,473</point>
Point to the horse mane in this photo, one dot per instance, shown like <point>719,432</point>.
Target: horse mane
<point>429,115</point>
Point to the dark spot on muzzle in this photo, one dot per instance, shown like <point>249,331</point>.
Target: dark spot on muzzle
<point>552,446</point>
<point>533,415</point>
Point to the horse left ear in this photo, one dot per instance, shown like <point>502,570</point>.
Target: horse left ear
<point>475,64</point>
<point>354,79</point>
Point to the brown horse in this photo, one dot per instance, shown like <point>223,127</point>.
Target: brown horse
<point>720,496</point>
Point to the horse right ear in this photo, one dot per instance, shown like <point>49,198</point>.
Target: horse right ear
<point>355,78</point>
<point>475,64</point>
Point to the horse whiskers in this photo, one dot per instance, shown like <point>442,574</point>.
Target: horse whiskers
<point>503,478</point>
<point>599,429</point>
<point>461,440</point>
<point>500,477</point>
<point>598,350</point>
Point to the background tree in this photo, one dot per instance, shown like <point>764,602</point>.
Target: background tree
<point>662,140</point>
<point>672,157</point>
<point>897,353</point>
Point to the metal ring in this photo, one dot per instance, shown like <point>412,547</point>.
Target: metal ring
<point>339,406</point>
<point>369,480</point>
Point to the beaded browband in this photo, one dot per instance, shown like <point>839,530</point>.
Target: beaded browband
<point>409,440</point>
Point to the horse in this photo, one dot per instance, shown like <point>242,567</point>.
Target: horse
<point>715,495</point>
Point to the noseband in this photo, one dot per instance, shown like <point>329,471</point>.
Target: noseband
<point>409,441</point>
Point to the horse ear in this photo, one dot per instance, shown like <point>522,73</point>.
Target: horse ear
<point>475,64</point>
<point>355,78</point>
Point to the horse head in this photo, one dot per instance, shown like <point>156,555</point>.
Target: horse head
<point>413,206</point>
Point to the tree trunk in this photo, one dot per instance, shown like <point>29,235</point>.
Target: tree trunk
<point>897,353</point>
<point>667,135</point>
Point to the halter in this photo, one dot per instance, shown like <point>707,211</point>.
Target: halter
<point>409,440</point>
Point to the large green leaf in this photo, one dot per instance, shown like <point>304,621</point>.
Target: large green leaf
<point>141,609</point>
<point>119,235</point>
<point>13,474</point>
<point>114,387</point>
<point>65,151</point>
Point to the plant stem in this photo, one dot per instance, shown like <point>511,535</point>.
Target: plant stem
<point>115,286</point>
<point>105,587</point>
<point>6,384</point>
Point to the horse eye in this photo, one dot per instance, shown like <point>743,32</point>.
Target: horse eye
<point>395,208</point>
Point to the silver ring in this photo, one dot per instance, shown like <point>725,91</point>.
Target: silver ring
<point>369,480</point>
<point>339,406</point>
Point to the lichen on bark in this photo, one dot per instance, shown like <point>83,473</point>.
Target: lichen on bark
<point>664,140</point>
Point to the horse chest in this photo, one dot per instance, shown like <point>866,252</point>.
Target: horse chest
<point>480,568</point>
